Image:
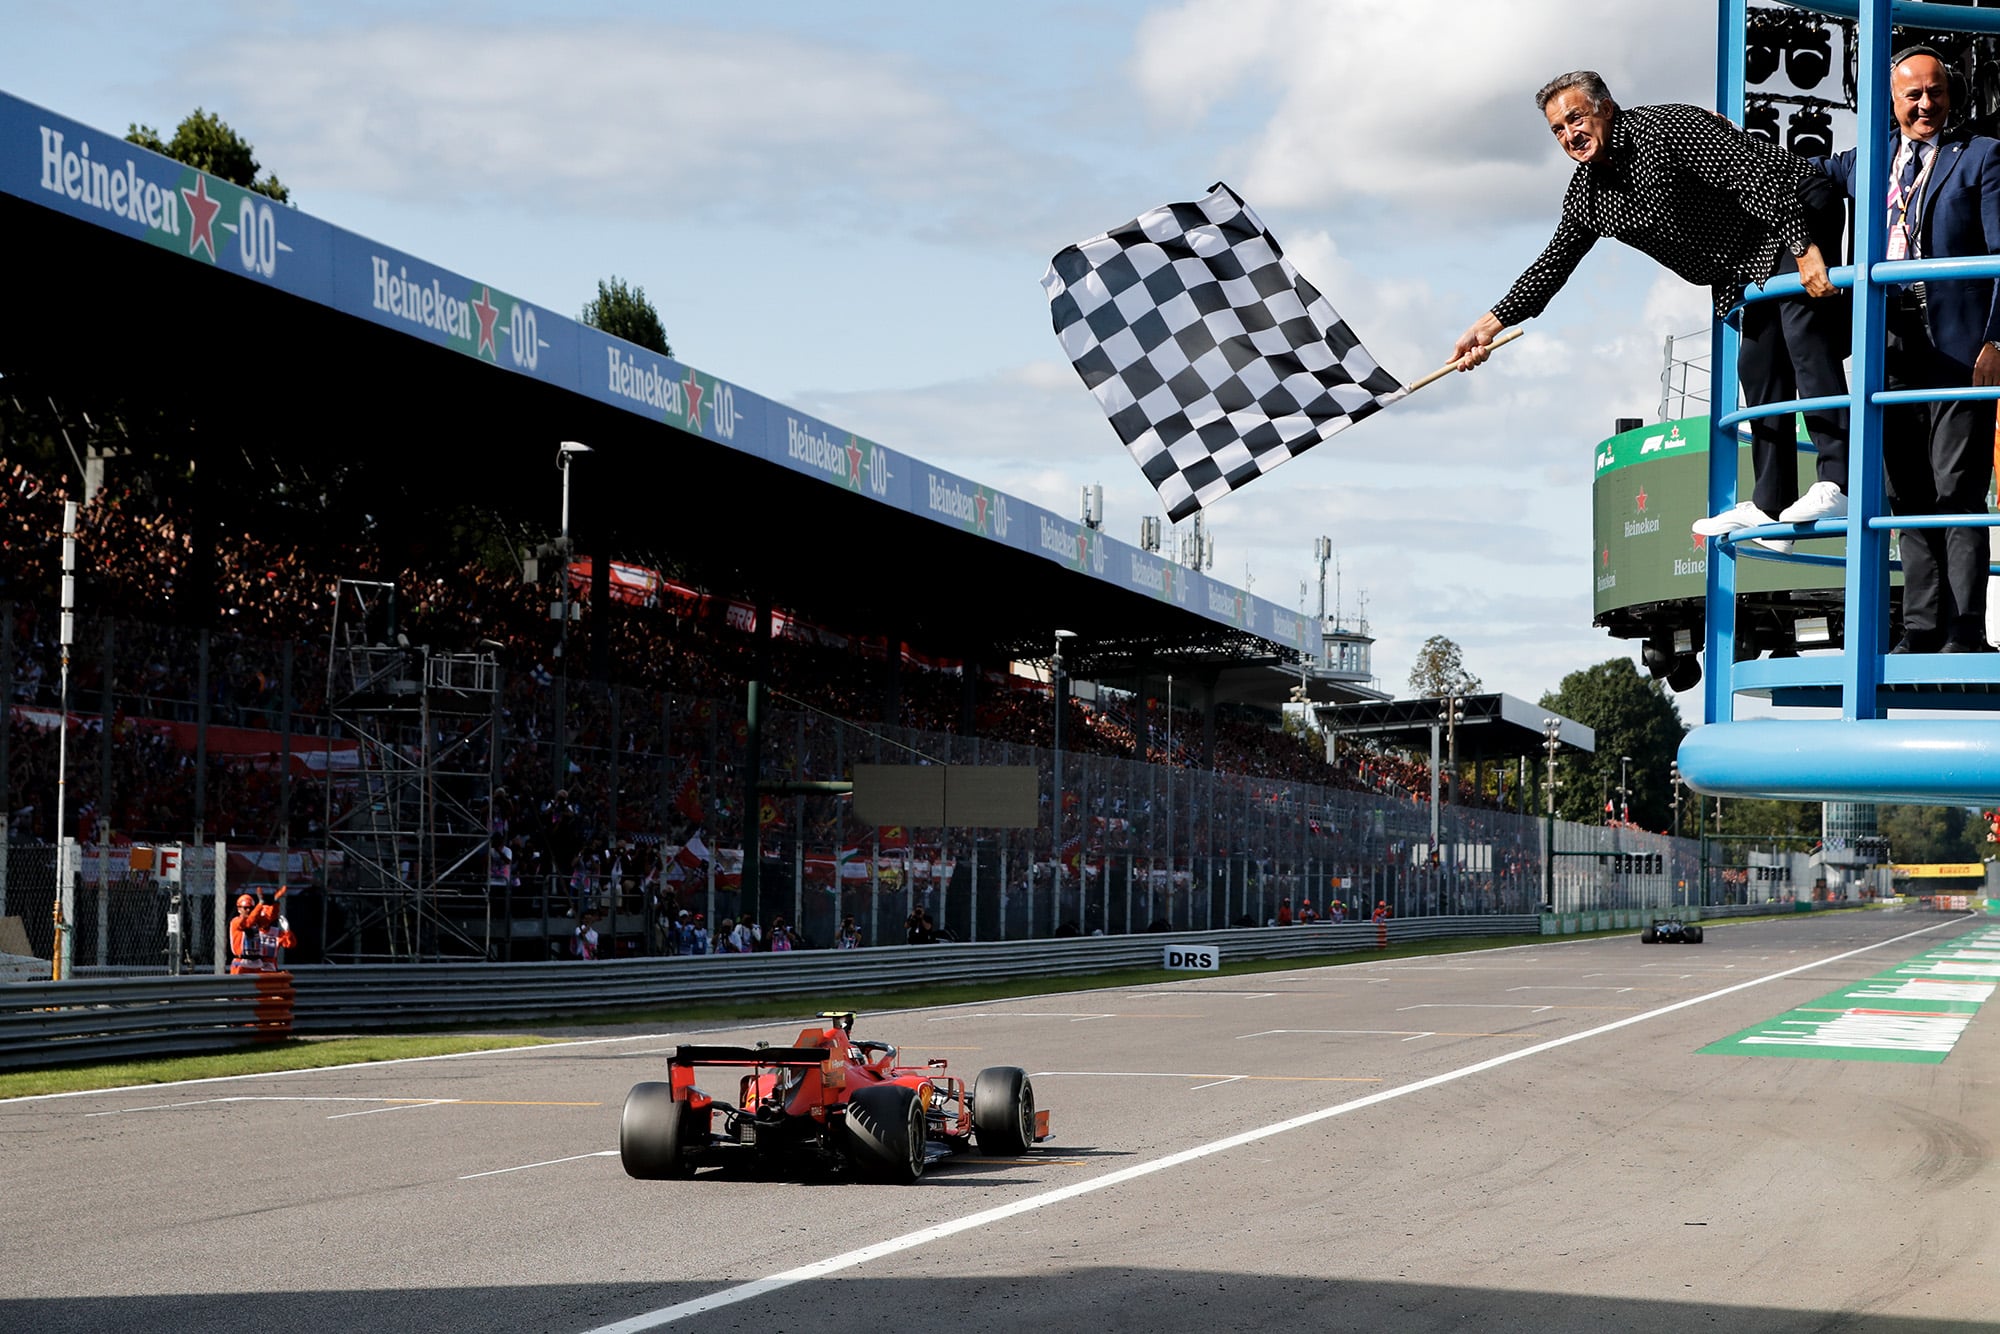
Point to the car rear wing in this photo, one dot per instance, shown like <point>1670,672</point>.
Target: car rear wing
<point>813,1056</point>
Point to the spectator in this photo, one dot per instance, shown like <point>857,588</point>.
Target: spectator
<point>584,944</point>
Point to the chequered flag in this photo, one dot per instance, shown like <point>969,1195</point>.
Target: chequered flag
<point>1214,359</point>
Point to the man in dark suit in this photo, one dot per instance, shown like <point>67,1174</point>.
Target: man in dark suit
<point>1944,201</point>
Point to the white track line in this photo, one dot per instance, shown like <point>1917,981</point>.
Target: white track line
<point>531,1049</point>
<point>211,1102</point>
<point>574,1158</point>
<point>401,1107</point>
<point>743,1292</point>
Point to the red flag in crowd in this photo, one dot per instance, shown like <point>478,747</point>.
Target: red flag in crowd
<point>893,836</point>
<point>688,800</point>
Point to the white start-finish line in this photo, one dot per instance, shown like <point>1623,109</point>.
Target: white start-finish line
<point>743,1292</point>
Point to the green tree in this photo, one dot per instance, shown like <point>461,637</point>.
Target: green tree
<point>1632,716</point>
<point>204,141</point>
<point>1759,817</point>
<point>1440,671</point>
<point>1933,833</point>
<point>624,312</point>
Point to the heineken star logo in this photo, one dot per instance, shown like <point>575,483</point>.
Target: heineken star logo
<point>1700,542</point>
<point>979,511</point>
<point>1640,500</point>
<point>1606,562</point>
<point>692,387</point>
<point>201,214</point>
<point>487,313</point>
<point>853,464</point>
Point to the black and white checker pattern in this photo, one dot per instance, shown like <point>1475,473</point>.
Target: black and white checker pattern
<point>1214,359</point>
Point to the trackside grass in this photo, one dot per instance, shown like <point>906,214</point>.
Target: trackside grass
<point>298,1054</point>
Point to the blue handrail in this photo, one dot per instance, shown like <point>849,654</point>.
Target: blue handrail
<point>1865,756</point>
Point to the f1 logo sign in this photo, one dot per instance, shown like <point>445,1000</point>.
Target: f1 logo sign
<point>167,862</point>
<point>1193,958</point>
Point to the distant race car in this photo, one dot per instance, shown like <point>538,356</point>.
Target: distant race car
<point>826,1101</point>
<point>1670,931</point>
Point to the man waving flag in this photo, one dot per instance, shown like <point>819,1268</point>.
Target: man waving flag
<point>1214,359</point>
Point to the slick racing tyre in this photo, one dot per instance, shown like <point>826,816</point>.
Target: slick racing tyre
<point>651,1133</point>
<point>885,1125</point>
<point>1003,1110</point>
<point>1649,936</point>
<point>1694,935</point>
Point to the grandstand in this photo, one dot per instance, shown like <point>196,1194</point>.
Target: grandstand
<point>261,411</point>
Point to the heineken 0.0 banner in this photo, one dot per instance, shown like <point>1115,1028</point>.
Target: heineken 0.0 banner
<point>97,178</point>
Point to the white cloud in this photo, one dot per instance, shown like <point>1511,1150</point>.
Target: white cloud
<point>638,117</point>
<point>1438,520</point>
<point>1424,104</point>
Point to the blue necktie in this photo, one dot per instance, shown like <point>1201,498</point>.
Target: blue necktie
<point>1912,166</point>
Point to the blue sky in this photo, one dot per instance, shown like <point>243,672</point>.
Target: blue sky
<point>849,208</point>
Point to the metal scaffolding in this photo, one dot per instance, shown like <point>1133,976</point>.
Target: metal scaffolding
<point>410,822</point>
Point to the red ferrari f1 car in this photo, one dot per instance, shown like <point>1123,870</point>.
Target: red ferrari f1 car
<point>826,1100</point>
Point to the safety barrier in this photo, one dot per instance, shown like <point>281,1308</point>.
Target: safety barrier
<point>338,998</point>
<point>50,1023</point>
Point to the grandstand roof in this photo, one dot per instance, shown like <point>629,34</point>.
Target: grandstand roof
<point>1492,727</point>
<point>278,354</point>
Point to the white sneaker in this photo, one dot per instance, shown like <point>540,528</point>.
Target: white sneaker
<point>1744,514</point>
<point>1822,500</point>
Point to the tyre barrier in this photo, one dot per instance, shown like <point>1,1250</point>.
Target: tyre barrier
<point>53,1023</point>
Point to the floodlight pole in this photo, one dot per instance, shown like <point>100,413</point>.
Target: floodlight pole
<point>1551,742</point>
<point>565,452</point>
<point>1056,679</point>
<point>65,901</point>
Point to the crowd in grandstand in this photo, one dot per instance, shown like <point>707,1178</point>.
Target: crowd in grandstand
<point>665,741</point>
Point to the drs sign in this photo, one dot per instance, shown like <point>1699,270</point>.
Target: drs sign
<point>1194,958</point>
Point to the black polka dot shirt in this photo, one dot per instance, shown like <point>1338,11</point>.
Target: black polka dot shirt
<point>1700,196</point>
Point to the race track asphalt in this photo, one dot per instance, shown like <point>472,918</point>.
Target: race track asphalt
<point>1521,1139</point>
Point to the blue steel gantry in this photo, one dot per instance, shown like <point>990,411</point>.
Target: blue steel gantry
<point>1864,755</point>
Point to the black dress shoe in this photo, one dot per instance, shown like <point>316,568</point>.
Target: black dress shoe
<point>1917,644</point>
<point>1966,646</point>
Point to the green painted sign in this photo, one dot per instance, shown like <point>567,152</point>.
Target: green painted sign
<point>1649,487</point>
<point>1913,1013</point>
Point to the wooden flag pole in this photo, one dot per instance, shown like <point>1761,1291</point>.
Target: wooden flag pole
<point>1452,365</point>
